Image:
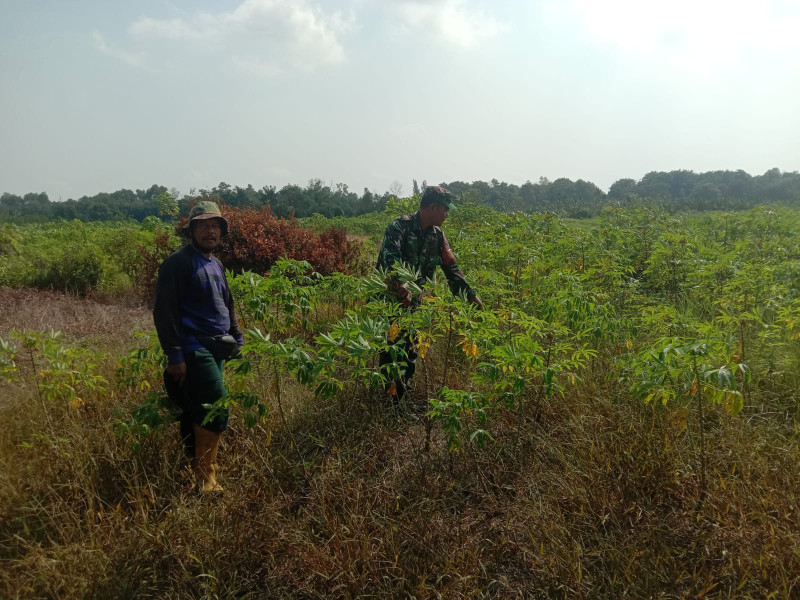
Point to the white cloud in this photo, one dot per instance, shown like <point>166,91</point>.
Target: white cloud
<point>173,29</point>
<point>130,58</point>
<point>259,68</point>
<point>455,21</point>
<point>691,35</point>
<point>260,36</point>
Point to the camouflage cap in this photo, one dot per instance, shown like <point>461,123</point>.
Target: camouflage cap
<point>205,209</point>
<point>439,195</point>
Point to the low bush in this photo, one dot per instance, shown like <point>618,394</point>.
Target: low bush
<point>76,272</point>
<point>143,270</point>
<point>258,239</point>
<point>103,260</point>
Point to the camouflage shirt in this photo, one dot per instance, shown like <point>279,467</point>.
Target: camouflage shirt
<point>405,241</point>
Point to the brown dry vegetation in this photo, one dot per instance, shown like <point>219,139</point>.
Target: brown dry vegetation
<point>598,499</point>
<point>80,319</point>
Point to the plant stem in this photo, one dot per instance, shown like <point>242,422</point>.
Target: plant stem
<point>447,349</point>
<point>285,422</point>
<point>538,407</point>
<point>701,414</point>
<point>39,394</point>
<point>425,418</point>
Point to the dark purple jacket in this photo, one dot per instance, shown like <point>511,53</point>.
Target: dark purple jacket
<point>192,297</point>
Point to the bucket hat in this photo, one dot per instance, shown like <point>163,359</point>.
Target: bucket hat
<point>205,209</point>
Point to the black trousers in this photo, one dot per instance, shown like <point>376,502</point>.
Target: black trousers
<point>401,385</point>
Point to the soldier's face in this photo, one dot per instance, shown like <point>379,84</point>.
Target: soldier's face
<point>207,234</point>
<point>437,213</point>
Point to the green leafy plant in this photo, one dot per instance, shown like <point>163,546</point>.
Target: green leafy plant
<point>686,372</point>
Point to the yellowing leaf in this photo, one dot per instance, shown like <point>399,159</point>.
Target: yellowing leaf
<point>76,403</point>
<point>679,419</point>
<point>394,331</point>
<point>422,348</point>
<point>733,403</point>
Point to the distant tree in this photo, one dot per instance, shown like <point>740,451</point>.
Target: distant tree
<point>706,197</point>
<point>655,185</point>
<point>289,198</point>
<point>167,205</point>
<point>67,210</point>
<point>10,205</point>
<point>396,189</point>
<point>622,190</point>
<point>367,202</point>
<point>588,199</point>
<point>529,194</point>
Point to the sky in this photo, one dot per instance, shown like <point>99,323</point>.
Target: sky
<point>103,95</point>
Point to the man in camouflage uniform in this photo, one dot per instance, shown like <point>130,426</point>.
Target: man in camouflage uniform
<point>418,241</point>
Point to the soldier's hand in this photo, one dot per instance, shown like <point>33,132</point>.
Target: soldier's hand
<point>477,300</point>
<point>177,372</point>
<point>405,297</point>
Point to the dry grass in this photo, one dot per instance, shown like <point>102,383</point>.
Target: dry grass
<point>598,499</point>
<point>80,319</point>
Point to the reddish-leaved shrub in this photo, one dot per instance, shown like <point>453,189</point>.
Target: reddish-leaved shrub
<point>257,239</point>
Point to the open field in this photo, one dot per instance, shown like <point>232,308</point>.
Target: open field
<point>621,422</point>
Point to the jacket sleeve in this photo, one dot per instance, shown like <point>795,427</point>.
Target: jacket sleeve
<point>455,278</point>
<point>234,330</point>
<point>390,254</point>
<point>391,250</point>
<point>166,312</point>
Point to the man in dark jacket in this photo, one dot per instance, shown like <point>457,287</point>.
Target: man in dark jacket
<point>197,328</point>
<point>418,241</point>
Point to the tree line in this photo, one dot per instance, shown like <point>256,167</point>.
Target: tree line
<point>290,200</point>
<point>675,191</point>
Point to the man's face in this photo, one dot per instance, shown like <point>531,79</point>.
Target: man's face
<point>207,234</point>
<point>437,213</point>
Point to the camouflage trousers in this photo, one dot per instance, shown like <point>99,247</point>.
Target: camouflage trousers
<point>406,344</point>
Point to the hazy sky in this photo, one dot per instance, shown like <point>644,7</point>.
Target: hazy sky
<point>101,95</point>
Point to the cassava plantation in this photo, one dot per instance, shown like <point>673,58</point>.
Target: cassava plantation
<point>621,421</point>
